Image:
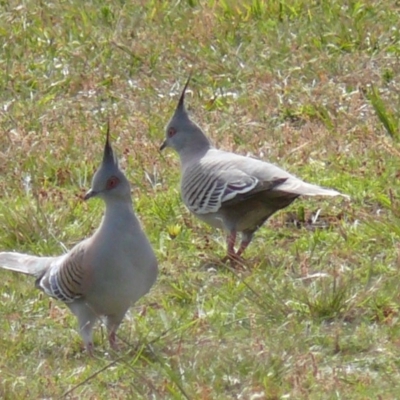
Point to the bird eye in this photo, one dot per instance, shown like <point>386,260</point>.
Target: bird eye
<point>171,132</point>
<point>112,182</point>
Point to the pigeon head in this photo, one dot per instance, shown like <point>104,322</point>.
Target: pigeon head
<point>181,133</point>
<point>109,182</point>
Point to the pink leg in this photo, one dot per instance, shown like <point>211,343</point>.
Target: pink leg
<point>231,240</point>
<point>89,349</point>
<point>113,340</point>
<point>247,236</point>
<point>232,256</point>
<point>243,247</point>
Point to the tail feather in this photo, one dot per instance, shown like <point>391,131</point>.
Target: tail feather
<point>307,189</point>
<point>25,263</point>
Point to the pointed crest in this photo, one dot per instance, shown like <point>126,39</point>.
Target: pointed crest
<point>181,104</point>
<point>108,156</point>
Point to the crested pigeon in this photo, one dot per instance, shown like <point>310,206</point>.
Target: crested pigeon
<point>103,275</point>
<point>226,190</point>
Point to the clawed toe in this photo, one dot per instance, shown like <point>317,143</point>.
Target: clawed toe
<point>235,261</point>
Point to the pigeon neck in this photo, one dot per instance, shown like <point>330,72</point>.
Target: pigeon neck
<point>118,208</point>
<point>119,219</point>
<point>196,150</point>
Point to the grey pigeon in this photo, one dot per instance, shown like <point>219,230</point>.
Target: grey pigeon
<point>226,190</point>
<point>105,274</point>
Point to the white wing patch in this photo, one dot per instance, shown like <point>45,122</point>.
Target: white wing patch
<point>204,193</point>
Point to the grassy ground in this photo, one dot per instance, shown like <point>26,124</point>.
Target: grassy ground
<point>310,85</point>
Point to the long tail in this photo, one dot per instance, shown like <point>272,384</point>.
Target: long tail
<point>25,263</point>
<point>301,188</point>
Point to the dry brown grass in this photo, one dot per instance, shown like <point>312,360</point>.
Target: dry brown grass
<point>315,315</point>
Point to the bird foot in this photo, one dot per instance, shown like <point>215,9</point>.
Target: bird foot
<point>113,341</point>
<point>236,261</point>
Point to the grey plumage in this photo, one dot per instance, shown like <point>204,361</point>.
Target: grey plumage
<point>226,190</point>
<point>105,274</point>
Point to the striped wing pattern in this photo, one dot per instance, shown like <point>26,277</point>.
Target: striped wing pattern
<point>64,278</point>
<point>205,189</point>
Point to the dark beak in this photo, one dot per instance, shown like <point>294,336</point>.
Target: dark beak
<point>89,194</point>
<point>163,146</point>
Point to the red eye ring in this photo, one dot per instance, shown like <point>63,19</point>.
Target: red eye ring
<point>171,132</point>
<point>112,182</point>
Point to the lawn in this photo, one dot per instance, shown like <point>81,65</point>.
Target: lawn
<point>312,86</point>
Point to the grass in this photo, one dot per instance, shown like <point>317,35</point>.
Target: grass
<point>311,86</point>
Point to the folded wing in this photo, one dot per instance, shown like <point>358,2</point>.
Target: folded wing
<point>226,178</point>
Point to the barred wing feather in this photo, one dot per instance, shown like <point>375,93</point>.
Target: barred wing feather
<point>60,277</point>
<point>65,277</point>
<point>204,193</point>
